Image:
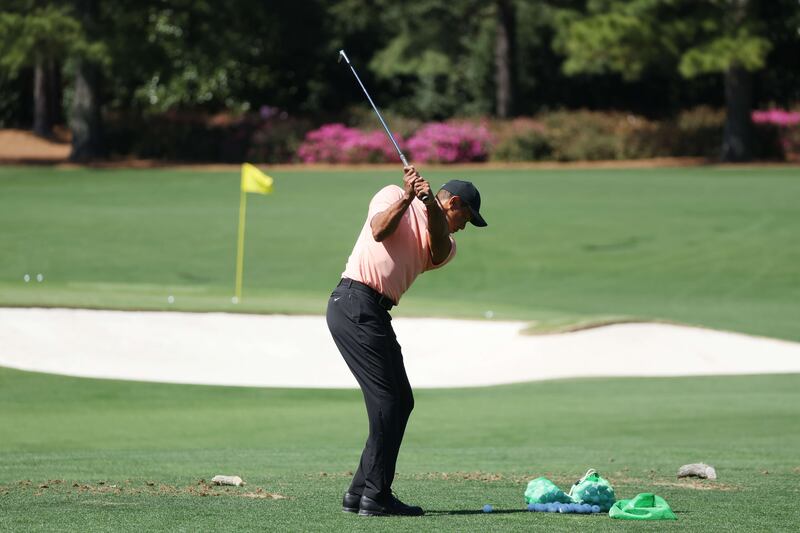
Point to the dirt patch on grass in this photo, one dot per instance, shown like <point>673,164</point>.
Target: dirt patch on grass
<point>487,477</point>
<point>201,488</point>
<point>261,494</point>
<point>564,481</point>
<point>686,483</point>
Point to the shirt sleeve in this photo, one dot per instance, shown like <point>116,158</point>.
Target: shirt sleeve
<point>383,199</point>
<point>450,256</point>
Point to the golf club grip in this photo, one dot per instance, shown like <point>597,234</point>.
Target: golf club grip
<point>424,197</point>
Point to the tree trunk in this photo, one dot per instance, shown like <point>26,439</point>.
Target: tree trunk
<point>42,119</point>
<point>737,137</point>
<point>85,120</point>
<point>504,59</point>
<point>54,92</point>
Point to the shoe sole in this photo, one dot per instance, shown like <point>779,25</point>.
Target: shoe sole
<point>362,512</point>
<point>378,513</point>
<point>353,510</point>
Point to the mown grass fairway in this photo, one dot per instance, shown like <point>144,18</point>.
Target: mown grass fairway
<point>129,456</point>
<point>707,246</point>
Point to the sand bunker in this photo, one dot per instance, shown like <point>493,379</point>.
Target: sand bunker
<point>297,351</point>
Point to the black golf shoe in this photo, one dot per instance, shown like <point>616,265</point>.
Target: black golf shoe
<point>351,502</point>
<point>393,507</point>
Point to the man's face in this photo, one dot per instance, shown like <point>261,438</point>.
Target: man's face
<point>457,213</point>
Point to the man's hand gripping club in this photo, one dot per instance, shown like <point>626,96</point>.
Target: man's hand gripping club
<point>438,232</point>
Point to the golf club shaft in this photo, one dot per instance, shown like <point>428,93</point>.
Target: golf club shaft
<point>424,197</point>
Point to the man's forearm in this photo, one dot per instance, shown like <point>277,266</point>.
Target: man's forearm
<point>439,232</point>
<point>384,223</point>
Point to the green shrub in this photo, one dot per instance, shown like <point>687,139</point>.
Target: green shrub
<point>697,132</point>
<point>583,135</point>
<point>521,139</point>
<point>277,141</point>
<point>790,142</point>
<point>640,138</point>
<point>199,137</point>
<point>364,118</point>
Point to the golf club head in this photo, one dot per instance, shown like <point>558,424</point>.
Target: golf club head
<point>343,55</point>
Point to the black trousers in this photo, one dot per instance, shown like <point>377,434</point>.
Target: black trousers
<point>362,330</point>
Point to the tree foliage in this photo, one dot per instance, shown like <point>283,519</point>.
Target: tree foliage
<point>631,37</point>
<point>48,32</point>
<point>429,59</point>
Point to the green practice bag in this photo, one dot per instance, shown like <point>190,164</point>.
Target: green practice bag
<point>594,490</point>
<point>644,506</point>
<point>542,490</point>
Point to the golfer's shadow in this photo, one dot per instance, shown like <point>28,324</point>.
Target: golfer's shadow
<point>473,511</point>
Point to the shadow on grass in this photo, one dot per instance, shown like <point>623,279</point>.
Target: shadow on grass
<point>471,511</point>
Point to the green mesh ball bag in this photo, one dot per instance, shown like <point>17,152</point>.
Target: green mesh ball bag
<point>594,490</point>
<point>542,490</point>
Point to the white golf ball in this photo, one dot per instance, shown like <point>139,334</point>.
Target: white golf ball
<point>488,508</point>
<point>234,300</point>
<point>489,314</point>
<point>39,278</point>
<point>27,278</point>
<point>170,299</point>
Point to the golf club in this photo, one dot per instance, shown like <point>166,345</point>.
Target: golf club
<point>342,55</point>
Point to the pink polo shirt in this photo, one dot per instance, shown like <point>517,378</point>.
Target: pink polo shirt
<point>392,265</point>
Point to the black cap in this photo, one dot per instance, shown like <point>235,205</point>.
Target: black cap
<point>470,195</point>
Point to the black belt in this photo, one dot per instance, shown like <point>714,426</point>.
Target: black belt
<point>382,300</point>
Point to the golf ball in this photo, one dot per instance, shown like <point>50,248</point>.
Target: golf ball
<point>39,278</point>
<point>234,300</point>
<point>488,508</point>
<point>170,299</point>
<point>26,277</point>
<point>489,314</point>
<point>595,508</point>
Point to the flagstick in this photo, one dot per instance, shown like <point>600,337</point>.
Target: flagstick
<point>240,248</point>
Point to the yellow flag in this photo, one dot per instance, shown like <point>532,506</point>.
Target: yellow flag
<point>253,180</point>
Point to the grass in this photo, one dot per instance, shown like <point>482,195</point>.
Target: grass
<point>706,246</point>
<point>93,455</point>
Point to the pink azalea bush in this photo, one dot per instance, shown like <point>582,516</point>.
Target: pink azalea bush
<point>336,143</point>
<point>448,142</point>
<point>788,125</point>
<point>776,117</point>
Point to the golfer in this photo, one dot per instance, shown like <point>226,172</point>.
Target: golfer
<point>401,238</point>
